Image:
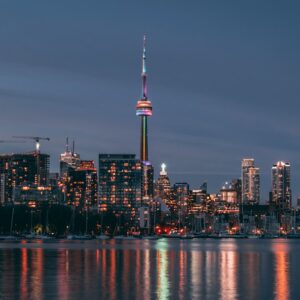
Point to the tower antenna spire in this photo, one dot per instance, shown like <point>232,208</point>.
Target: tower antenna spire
<point>73,148</point>
<point>67,144</point>
<point>144,70</point>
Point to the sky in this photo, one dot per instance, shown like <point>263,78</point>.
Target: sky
<point>223,78</point>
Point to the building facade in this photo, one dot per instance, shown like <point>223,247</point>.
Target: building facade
<point>82,185</point>
<point>68,160</point>
<point>120,184</point>
<point>162,185</point>
<point>281,185</point>
<point>228,193</point>
<point>181,192</point>
<point>20,170</point>
<point>250,182</point>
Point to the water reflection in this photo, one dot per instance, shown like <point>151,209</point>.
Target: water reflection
<point>281,268</point>
<point>63,272</point>
<point>24,273</point>
<point>36,280</point>
<point>210,272</point>
<point>249,270</point>
<point>163,269</point>
<point>147,273</point>
<point>228,272</point>
<point>182,271</point>
<point>196,266</point>
<point>112,273</point>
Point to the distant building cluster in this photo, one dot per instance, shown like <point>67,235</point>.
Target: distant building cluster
<point>123,188</point>
<point>118,188</point>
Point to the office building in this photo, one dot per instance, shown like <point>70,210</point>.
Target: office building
<point>21,170</point>
<point>250,182</point>
<point>120,184</point>
<point>68,160</point>
<point>162,184</point>
<point>281,185</point>
<point>228,193</point>
<point>82,185</point>
<point>181,192</point>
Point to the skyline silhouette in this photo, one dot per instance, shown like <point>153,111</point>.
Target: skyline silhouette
<point>223,81</point>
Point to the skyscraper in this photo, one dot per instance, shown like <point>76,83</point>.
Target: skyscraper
<point>162,185</point>
<point>250,182</point>
<point>229,193</point>
<point>22,170</point>
<point>281,185</point>
<point>120,185</point>
<point>82,185</point>
<point>68,159</point>
<point>181,192</point>
<point>144,110</point>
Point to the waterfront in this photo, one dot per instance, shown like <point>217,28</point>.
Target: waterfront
<point>141,269</point>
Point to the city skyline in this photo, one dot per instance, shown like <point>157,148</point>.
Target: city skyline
<point>149,149</point>
<point>215,113</point>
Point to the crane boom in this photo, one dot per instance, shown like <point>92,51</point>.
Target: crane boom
<point>37,140</point>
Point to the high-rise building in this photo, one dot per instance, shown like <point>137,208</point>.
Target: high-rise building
<point>68,160</point>
<point>281,185</point>
<point>181,191</point>
<point>250,182</point>
<point>298,203</point>
<point>34,195</point>
<point>21,170</point>
<point>199,195</point>
<point>120,184</point>
<point>228,193</point>
<point>24,168</point>
<point>162,185</point>
<point>231,191</point>
<point>237,185</point>
<point>82,185</point>
<point>5,179</point>
<point>144,110</point>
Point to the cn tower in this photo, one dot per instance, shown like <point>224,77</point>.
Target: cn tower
<point>144,109</point>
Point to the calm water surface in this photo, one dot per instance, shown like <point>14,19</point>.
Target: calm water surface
<point>140,269</point>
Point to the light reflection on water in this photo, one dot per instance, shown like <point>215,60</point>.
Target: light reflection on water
<point>163,269</point>
<point>228,262</point>
<point>281,269</point>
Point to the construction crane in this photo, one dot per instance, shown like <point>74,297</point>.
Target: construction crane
<point>37,140</point>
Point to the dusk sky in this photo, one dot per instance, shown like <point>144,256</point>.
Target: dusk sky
<point>223,79</point>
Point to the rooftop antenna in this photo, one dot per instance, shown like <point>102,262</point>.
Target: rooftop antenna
<point>67,144</point>
<point>73,148</point>
<point>144,70</point>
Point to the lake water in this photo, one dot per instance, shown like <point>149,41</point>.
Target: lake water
<point>140,269</point>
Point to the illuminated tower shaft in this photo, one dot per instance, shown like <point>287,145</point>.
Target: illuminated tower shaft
<point>144,138</point>
<point>144,110</point>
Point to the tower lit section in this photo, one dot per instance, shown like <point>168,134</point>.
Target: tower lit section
<point>144,109</point>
